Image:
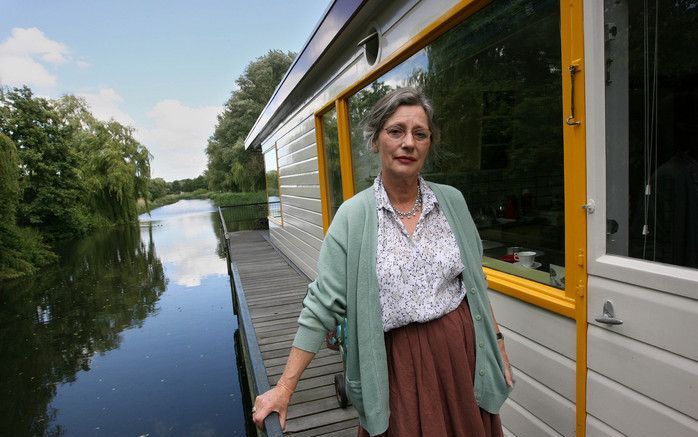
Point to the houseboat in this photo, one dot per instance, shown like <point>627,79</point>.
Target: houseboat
<point>571,128</point>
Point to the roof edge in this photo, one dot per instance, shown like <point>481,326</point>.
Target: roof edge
<point>334,20</point>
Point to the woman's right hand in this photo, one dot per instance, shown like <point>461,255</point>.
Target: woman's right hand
<point>274,400</point>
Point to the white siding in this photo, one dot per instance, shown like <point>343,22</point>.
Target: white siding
<point>541,348</point>
<point>643,374</point>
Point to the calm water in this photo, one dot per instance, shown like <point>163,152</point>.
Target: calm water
<point>130,335</point>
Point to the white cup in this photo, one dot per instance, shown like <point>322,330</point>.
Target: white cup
<point>526,258</point>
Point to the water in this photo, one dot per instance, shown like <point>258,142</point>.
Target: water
<point>131,334</point>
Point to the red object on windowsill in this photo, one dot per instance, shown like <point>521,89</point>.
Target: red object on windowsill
<point>508,258</point>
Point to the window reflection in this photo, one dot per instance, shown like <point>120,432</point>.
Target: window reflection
<point>271,170</point>
<point>495,81</point>
<point>652,130</point>
<point>332,168</point>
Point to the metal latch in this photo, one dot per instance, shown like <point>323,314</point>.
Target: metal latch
<point>590,206</point>
<point>609,315</point>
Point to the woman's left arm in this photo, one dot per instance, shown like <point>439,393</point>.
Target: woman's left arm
<point>503,352</point>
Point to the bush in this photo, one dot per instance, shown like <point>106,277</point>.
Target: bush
<point>232,199</point>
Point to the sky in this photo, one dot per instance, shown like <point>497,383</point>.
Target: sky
<point>165,68</point>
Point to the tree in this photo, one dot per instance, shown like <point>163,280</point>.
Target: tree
<point>157,188</point>
<point>230,166</point>
<point>115,167</point>
<point>51,184</point>
<point>21,250</point>
<point>63,173</point>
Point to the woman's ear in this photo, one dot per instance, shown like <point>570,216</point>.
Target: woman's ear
<point>374,146</point>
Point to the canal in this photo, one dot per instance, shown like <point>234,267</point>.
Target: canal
<point>130,334</point>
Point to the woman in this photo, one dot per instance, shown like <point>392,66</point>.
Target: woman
<point>402,262</point>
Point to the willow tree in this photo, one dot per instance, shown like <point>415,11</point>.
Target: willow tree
<point>115,166</point>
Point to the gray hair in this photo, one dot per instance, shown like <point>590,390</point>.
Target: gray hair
<point>386,106</point>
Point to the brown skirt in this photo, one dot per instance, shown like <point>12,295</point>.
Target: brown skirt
<point>431,368</point>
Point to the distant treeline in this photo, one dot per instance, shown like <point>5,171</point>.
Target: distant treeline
<point>62,174</point>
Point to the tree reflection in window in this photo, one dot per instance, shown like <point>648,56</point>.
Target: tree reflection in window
<point>496,84</point>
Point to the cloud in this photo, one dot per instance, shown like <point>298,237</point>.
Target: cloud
<point>22,70</point>
<point>23,56</point>
<point>104,104</point>
<point>83,65</point>
<point>178,138</point>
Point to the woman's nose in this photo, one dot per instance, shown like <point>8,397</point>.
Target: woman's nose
<point>408,140</point>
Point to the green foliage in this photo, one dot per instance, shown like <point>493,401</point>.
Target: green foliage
<point>230,166</point>
<point>21,250</point>
<point>232,199</point>
<point>51,184</point>
<point>63,174</point>
<point>157,188</point>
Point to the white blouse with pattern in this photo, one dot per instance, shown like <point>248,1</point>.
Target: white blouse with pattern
<point>418,275</point>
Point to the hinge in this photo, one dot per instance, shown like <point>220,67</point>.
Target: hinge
<point>580,258</point>
<point>581,290</point>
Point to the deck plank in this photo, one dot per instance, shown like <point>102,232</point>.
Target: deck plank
<point>275,291</point>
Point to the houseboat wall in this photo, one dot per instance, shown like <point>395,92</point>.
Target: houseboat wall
<point>541,344</point>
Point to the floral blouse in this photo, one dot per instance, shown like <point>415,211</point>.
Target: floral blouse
<point>418,275</point>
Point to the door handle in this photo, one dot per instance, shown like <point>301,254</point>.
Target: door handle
<point>609,315</point>
<point>571,119</point>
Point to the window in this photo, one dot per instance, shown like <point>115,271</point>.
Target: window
<point>496,83</point>
<point>652,130</point>
<point>330,150</point>
<point>271,170</point>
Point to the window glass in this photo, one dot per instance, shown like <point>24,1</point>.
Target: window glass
<point>496,84</point>
<point>652,130</point>
<point>330,142</point>
<point>271,170</point>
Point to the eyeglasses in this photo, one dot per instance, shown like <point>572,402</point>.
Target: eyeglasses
<point>398,133</point>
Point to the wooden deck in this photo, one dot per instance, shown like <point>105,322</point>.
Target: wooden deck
<point>274,291</point>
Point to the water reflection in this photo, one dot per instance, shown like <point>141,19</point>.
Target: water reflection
<point>186,253</point>
<point>114,341</point>
<point>53,324</point>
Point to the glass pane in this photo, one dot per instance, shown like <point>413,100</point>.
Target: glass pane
<point>272,178</point>
<point>652,130</point>
<point>496,84</point>
<point>331,146</point>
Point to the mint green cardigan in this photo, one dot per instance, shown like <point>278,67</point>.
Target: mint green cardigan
<point>347,286</point>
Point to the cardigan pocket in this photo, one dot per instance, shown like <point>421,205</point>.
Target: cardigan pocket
<point>355,395</point>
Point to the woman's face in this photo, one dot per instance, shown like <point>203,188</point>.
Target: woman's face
<point>403,143</point>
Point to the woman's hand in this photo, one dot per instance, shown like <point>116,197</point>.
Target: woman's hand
<point>274,400</point>
<point>278,398</point>
<point>507,367</point>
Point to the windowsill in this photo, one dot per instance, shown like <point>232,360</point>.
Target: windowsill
<point>540,295</point>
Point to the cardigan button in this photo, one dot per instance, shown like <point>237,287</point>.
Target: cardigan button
<point>482,344</point>
<point>482,372</point>
<point>478,317</point>
<point>473,289</point>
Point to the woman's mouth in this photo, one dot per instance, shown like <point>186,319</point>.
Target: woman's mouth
<point>405,159</point>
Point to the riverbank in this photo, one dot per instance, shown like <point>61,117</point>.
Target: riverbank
<point>218,198</point>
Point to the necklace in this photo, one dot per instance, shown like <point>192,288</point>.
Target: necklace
<point>417,204</point>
